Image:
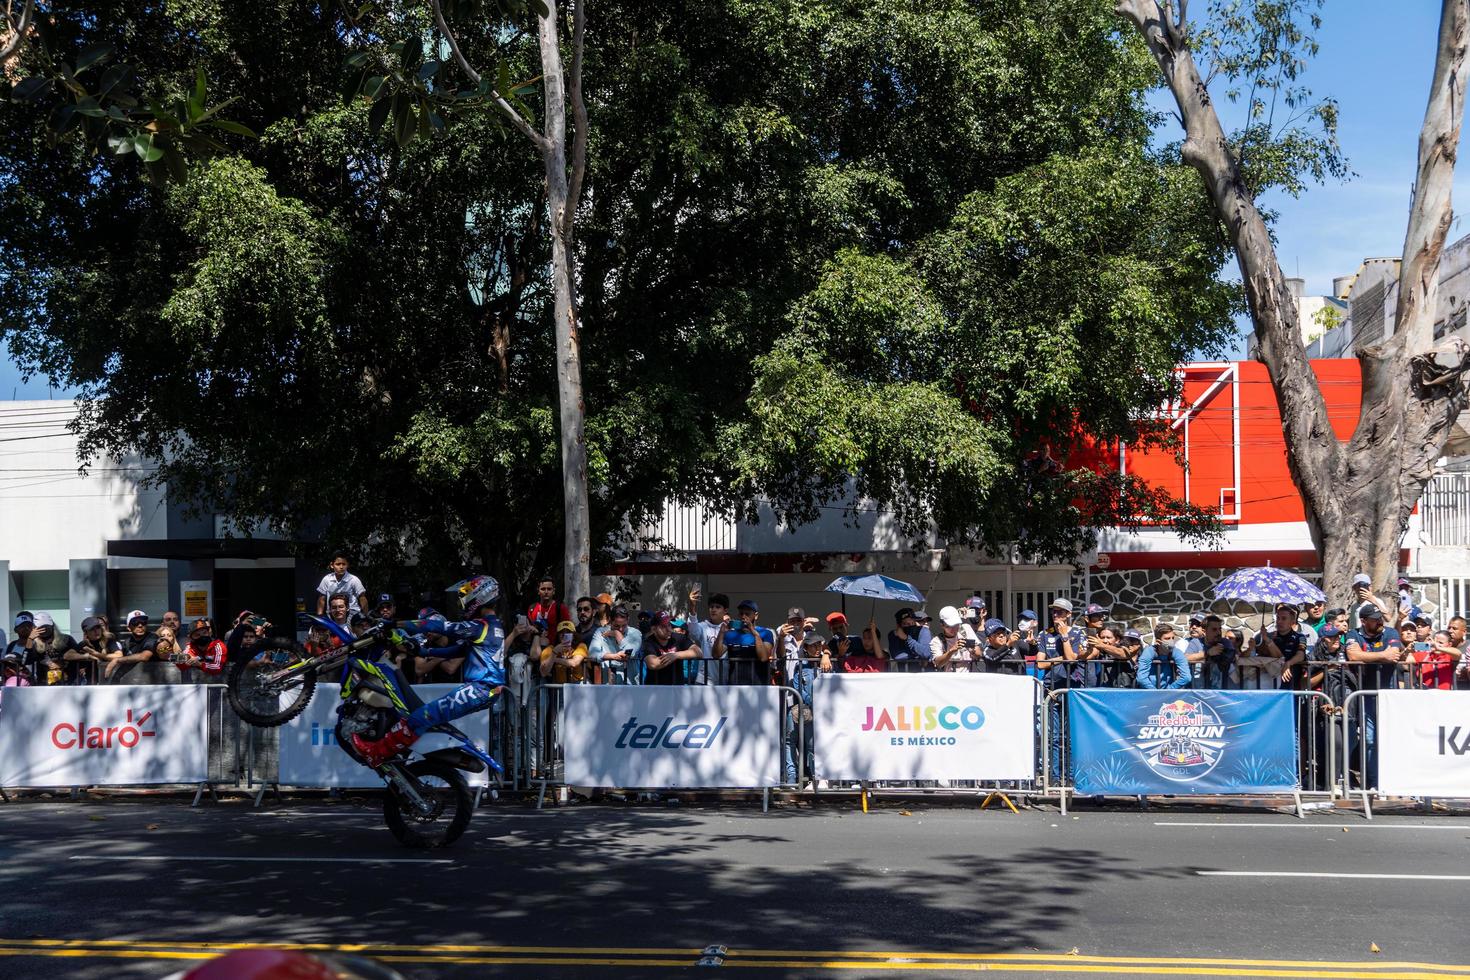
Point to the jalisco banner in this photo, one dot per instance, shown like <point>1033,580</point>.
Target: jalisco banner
<point>310,756</point>
<point>1182,742</point>
<point>1423,742</point>
<point>113,735</point>
<point>689,737</point>
<point>925,726</point>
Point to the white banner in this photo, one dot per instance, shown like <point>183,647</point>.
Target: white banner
<point>924,726</point>
<point>1423,743</point>
<point>310,756</point>
<point>684,737</point>
<point>104,735</point>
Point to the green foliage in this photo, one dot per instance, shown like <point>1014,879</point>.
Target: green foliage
<point>84,93</point>
<point>1258,50</point>
<point>897,246</point>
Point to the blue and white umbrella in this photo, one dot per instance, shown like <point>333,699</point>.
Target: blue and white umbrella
<point>1267,586</point>
<point>876,587</point>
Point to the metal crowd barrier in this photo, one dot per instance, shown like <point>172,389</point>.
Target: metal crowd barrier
<point>545,763</point>
<point>1317,772</point>
<point>1334,709</point>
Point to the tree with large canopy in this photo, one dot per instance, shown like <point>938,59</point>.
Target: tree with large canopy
<point>920,252</point>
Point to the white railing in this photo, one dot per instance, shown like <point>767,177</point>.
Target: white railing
<point>1445,509</point>
<point>687,529</point>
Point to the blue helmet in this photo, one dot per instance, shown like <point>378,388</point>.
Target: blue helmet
<point>475,593</point>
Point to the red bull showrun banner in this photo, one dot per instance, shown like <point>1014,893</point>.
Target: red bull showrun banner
<point>1159,743</point>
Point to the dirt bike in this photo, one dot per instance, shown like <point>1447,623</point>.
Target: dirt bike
<point>428,803</point>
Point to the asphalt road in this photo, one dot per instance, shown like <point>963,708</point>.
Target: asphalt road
<point>141,889</point>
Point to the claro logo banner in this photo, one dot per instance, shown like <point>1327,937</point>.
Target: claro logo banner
<point>104,736</point>
<point>924,726</point>
<point>670,737</point>
<point>1423,742</point>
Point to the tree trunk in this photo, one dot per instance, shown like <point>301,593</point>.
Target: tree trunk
<point>1358,496</point>
<point>577,552</point>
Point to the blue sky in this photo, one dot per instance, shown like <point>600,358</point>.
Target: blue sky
<point>1376,60</point>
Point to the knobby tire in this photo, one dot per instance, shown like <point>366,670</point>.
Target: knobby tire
<point>408,832</point>
<point>240,700</point>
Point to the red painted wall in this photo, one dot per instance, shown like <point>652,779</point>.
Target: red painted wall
<point>1267,494</point>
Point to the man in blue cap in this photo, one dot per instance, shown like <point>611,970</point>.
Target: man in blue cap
<point>995,647</point>
<point>746,646</point>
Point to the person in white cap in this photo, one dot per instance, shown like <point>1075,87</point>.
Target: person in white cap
<point>954,646</point>
<point>1363,592</point>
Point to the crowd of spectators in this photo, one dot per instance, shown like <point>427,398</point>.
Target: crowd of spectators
<point>39,654</point>
<point>1367,641</point>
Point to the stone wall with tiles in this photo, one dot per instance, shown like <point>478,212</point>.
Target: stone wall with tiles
<point>1142,598</point>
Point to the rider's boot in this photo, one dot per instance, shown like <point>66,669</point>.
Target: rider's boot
<point>378,751</point>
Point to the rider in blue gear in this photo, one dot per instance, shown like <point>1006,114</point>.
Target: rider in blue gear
<point>484,669</point>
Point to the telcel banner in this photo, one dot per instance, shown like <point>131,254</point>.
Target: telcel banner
<point>924,726</point>
<point>1182,742</point>
<point>310,756</point>
<point>676,737</point>
<point>104,735</point>
<point>1423,743</point>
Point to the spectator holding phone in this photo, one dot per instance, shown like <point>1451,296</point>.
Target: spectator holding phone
<point>1363,594</point>
<point>565,661</point>
<point>869,657</point>
<point>996,649</point>
<point>747,647</point>
<point>955,645</point>
<point>1437,658</point>
<point>614,645</point>
<point>789,636</point>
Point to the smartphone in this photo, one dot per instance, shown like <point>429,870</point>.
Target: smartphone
<point>1421,646</point>
<point>522,621</point>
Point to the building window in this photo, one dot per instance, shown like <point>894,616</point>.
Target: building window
<point>48,592</point>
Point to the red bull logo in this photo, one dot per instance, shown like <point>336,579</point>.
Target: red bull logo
<point>1183,740</point>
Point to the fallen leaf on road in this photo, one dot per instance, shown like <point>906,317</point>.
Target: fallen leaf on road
<point>1373,948</point>
<point>95,817</point>
<point>151,826</point>
<point>904,813</point>
<point>1073,951</point>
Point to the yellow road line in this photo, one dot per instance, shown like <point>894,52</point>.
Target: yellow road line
<point>957,967</point>
<point>760,958</point>
<point>1085,958</point>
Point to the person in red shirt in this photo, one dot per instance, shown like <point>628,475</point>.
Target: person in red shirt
<point>547,612</point>
<point>204,651</point>
<point>870,659</point>
<point>1437,659</point>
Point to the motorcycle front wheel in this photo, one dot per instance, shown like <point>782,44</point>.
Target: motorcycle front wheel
<point>450,806</point>
<point>272,686</point>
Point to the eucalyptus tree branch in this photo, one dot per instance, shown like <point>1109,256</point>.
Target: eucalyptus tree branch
<point>579,112</point>
<point>20,28</point>
<point>506,109</point>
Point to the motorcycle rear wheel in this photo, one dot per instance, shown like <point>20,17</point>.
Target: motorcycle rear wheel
<point>453,806</point>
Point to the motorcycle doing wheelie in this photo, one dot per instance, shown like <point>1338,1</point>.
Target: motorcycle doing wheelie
<point>428,803</point>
